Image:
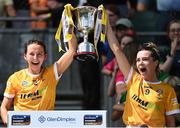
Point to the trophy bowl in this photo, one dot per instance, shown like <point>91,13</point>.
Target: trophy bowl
<point>85,22</point>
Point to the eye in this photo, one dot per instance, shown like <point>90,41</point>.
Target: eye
<point>145,59</point>
<point>137,60</point>
<point>40,54</point>
<point>32,54</point>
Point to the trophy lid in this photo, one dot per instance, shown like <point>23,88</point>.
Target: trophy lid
<point>88,8</point>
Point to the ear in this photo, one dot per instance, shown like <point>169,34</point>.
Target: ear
<point>157,63</point>
<point>25,57</point>
<point>46,57</point>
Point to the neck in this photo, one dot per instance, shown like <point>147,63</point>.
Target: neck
<point>35,73</point>
<point>151,79</point>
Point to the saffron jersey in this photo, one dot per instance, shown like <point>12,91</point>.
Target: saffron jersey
<point>33,92</point>
<point>147,103</point>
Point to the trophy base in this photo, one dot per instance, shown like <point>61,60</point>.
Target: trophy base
<point>85,56</point>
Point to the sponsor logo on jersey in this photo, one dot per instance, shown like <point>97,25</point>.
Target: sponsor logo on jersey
<point>25,83</point>
<point>145,104</point>
<point>140,101</point>
<point>159,91</point>
<point>34,95</point>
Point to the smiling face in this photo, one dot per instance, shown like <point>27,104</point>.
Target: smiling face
<point>174,31</point>
<point>146,65</point>
<point>35,57</point>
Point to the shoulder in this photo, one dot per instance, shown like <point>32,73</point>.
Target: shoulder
<point>167,87</point>
<point>134,77</point>
<point>51,68</point>
<point>16,77</point>
<point>51,71</point>
<point>19,73</point>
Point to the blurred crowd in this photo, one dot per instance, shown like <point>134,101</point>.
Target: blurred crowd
<point>121,16</point>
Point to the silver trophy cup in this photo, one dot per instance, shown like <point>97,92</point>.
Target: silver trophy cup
<point>85,22</point>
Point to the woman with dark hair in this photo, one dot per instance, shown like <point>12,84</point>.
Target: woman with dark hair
<point>172,53</point>
<point>34,87</point>
<point>149,102</point>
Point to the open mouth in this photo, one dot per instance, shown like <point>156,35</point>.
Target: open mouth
<point>143,70</point>
<point>35,63</point>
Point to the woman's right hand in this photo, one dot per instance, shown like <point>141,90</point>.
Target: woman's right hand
<point>174,45</point>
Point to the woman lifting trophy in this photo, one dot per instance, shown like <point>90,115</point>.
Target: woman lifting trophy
<point>85,19</point>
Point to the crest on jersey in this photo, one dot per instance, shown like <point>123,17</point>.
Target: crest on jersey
<point>159,91</point>
<point>25,83</point>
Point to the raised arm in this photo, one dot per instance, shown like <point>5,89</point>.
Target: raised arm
<point>122,61</point>
<point>5,106</point>
<point>66,59</point>
<point>166,66</point>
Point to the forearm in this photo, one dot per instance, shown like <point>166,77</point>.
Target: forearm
<point>113,43</point>
<point>64,62</point>
<point>166,66</point>
<point>122,61</point>
<point>72,44</point>
<point>112,40</point>
<point>66,59</point>
<point>5,106</point>
<point>69,55</point>
<point>4,115</point>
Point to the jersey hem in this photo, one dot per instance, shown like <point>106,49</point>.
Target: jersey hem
<point>9,95</point>
<point>173,112</point>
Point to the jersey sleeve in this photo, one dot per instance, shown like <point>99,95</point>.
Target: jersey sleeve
<point>56,72</point>
<point>171,103</point>
<point>10,87</point>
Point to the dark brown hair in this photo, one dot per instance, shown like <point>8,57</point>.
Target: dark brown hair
<point>38,42</point>
<point>150,46</point>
